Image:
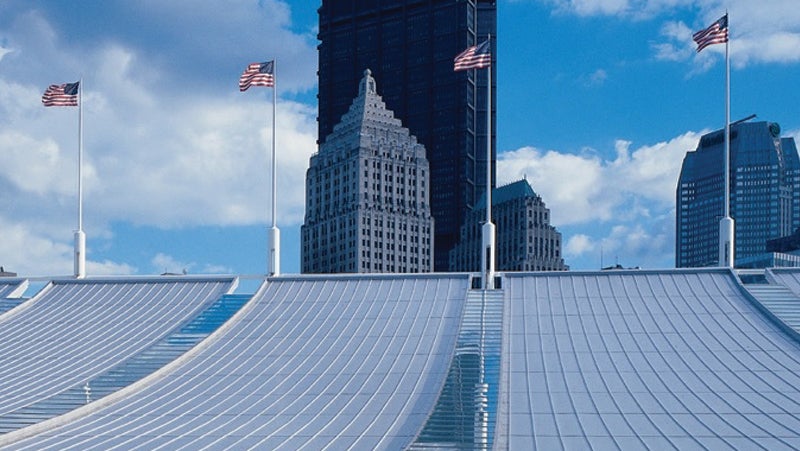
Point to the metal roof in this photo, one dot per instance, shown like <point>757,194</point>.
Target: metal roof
<point>673,359</point>
<point>11,291</point>
<point>12,287</point>
<point>74,330</point>
<point>641,360</point>
<point>352,362</point>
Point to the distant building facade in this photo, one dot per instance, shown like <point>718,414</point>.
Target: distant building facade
<point>783,252</point>
<point>367,189</point>
<point>525,241</point>
<point>410,46</point>
<point>764,190</point>
<point>4,273</point>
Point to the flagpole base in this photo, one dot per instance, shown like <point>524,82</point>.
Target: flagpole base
<point>274,259</point>
<point>80,254</point>
<point>726,234</point>
<point>487,255</point>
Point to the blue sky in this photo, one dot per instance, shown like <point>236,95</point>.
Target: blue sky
<point>598,101</point>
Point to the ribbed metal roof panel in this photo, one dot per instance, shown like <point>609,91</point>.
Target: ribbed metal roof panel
<point>73,330</point>
<point>311,363</point>
<point>11,287</point>
<point>645,360</point>
<point>788,277</point>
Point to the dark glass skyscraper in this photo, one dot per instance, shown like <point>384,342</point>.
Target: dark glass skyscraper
<point>765,193</point>
<point>409,45</point>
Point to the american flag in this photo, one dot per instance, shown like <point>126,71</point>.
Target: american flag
<point>476,57</point>
<point>61,95</point>
<point>257,74</point>
<point>717,33</point>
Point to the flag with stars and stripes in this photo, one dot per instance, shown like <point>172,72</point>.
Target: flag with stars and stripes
<point>717,33</point>
<point>476,57</point>
<point>61,95</point>
<point>258,74</point>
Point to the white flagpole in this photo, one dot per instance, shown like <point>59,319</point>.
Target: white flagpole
<point>488,229</point>
<point>80,237</point>
<point>726,225</point>
<point>274,234</point>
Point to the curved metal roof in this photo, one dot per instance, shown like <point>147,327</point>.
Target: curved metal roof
<point>73,330</point>
<point>638,360</point>
<point>12,287</point>
<point>674,359</point>
<point>350,362</point>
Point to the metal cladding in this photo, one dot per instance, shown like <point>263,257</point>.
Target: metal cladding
<point>631,359</point>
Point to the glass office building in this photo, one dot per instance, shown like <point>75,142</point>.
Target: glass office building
<point>765,193</point>
<point>409,45</point>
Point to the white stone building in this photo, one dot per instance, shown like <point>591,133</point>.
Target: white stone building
<point>367,195</point>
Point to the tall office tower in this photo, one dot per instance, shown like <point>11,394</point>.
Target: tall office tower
<point>525,239</point>
<point>410,46</point>
<point>764,190</point>
<point>367,193</point>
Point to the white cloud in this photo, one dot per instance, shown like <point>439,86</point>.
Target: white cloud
<point>205,37</point>
<point>776,47</point>
<point>766,31</point>
<point>30,251</point>
<point>160,149</point>
<point>206,162</point>
<point>643,242</point>
<point>679,47</point>
<point>596,78</point>
<point>578,244</point>
<point>639,245</point>
<point>36,166</point>
<point>623,207</point>
<point>167,264</point>
<point>631,8</point>
<point>163,263</point>
<point>584,188</point>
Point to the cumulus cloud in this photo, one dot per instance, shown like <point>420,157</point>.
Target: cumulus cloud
<point>679,45</point>
<point>168,264</point>
<point>578,244</point>
<point>162,148</point>
<point>580,188</point>
<point>30,251</point>
<point>643,242</point>
<point>623,206</point>
<point>631,8</point>
<point>163,263</point>
<point>767,31</point>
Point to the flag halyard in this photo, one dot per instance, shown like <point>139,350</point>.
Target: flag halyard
<point>258,74</point>
<point>61,95</point>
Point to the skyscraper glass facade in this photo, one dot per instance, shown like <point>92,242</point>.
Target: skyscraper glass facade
<point>409,45</point>
<point>765,192</point>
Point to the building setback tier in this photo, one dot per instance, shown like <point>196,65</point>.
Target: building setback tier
<point>367,194</point>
